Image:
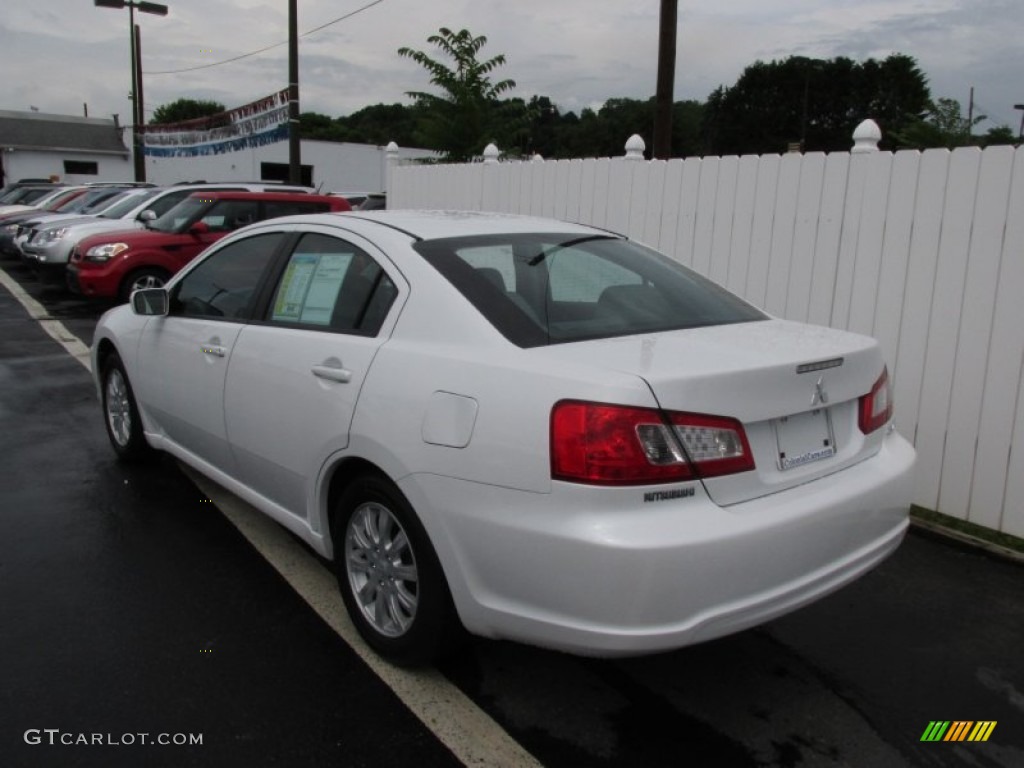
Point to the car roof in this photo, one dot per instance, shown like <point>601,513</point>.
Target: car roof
<point>430,225</point>
<point>237,194</point>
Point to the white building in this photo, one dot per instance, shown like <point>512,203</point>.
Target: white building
<point>83,149</point>
<point>72,149</point>
<point>327,165</point>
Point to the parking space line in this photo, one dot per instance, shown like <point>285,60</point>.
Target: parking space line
<point>471,734</point>
<point>55,328</point>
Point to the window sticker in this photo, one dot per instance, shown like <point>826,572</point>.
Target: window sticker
<point>323,288</point>
<point>309,287</point>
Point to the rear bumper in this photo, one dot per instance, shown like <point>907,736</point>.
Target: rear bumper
<point>604,572</point>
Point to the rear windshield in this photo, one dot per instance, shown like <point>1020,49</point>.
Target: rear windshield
<point>539,289</point>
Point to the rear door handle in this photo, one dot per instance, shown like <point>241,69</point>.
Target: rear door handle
<point>333,373</point>
<point>213,349</point>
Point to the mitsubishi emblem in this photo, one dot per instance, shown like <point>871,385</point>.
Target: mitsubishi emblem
<point>820,396</point>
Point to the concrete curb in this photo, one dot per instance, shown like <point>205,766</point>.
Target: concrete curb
<point>967,540</point>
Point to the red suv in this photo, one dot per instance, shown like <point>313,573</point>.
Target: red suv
<point>114,264</point>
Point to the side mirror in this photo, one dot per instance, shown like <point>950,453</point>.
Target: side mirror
<point>150,301</point>
<point>147,215</point>
<point>199,228</point>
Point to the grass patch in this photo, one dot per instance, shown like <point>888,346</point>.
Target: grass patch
<point>973,530</point>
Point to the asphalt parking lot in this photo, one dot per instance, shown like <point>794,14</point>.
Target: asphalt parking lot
<point>136,602</point>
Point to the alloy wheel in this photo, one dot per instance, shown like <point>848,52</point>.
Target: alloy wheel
<point>381,569</point>
<point>119,412</point>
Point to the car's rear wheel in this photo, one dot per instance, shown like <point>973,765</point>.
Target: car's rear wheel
<point>390,578</point>
<point>121,413</point>
<point>147,277</point>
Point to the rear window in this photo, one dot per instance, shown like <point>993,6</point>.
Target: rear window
<point>539,289</point>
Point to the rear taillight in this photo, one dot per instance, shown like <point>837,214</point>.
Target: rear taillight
<point>876,405</point>
<point>604,444</point>
<point>714,444</point>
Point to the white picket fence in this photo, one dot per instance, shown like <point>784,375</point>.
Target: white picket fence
<point>924,251</point>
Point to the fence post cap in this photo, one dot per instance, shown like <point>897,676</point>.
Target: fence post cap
<point>391,147</point>
<point>866,137</point>
<point>635,147</point>
<point>491,153</point>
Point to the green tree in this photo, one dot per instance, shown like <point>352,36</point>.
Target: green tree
<point>604,133</point>
<point>185,109</point>
<point>814,102</point>
<point>1001,134</point>
<point>317,127</point>
<point>381,123</point>
<point>465,116</point>
<point>945,126</point>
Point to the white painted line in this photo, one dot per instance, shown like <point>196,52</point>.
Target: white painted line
<point>55,328</point>
<point>471,735</point>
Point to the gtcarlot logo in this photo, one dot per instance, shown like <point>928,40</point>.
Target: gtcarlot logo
<point>56,737</point>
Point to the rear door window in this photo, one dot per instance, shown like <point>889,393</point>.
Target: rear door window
<point>330,284</point>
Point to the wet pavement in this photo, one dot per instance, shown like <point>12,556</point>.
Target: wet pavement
<point>132,606</point>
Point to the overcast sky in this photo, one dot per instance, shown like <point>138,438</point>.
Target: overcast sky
<point>61,54</point>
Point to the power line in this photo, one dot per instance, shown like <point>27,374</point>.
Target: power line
<point>990,115</point>
<point>269,47</point>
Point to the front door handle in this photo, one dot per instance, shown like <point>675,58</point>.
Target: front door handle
<point>213,349</point>
<point>332,370</point>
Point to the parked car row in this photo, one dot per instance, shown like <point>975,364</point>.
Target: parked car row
<point>109,241</point>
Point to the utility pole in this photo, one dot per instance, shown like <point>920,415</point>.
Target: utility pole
<point>666,79</point>
<point>970,113</point>
<point>294,147</point>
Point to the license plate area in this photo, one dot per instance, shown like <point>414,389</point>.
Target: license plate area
<point>804,438</point>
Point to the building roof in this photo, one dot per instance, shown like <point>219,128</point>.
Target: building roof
<point>40,131</point>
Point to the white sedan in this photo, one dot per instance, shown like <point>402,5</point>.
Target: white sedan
<point>534,430</point>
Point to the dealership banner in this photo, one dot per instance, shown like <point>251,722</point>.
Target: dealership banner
<point>264,121</point>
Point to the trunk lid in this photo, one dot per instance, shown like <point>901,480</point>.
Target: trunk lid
<point>794,387</point>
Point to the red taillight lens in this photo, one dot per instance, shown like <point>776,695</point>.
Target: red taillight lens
<point>876,406</point>
<point>715,444</point>
<point>605,444</point>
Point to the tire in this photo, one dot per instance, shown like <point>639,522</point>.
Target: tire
<point>390,578</point>
<point>121,414</point>
<point>146,277</point>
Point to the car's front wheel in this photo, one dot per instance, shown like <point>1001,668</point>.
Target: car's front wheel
<point>147,277</point>
<point>121,413</point>
<point>390,578</point>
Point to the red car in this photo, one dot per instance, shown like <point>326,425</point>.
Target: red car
<point>113,264</point>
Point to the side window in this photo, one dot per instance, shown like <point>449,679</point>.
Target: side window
<point>229,215</point>
<point>274,208</point>
<point>224,284</point>
<point>168,201</point>
<point>331,284</point>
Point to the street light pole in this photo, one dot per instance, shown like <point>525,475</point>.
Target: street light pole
<point>135,45</point>
<point>1020,134</point>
